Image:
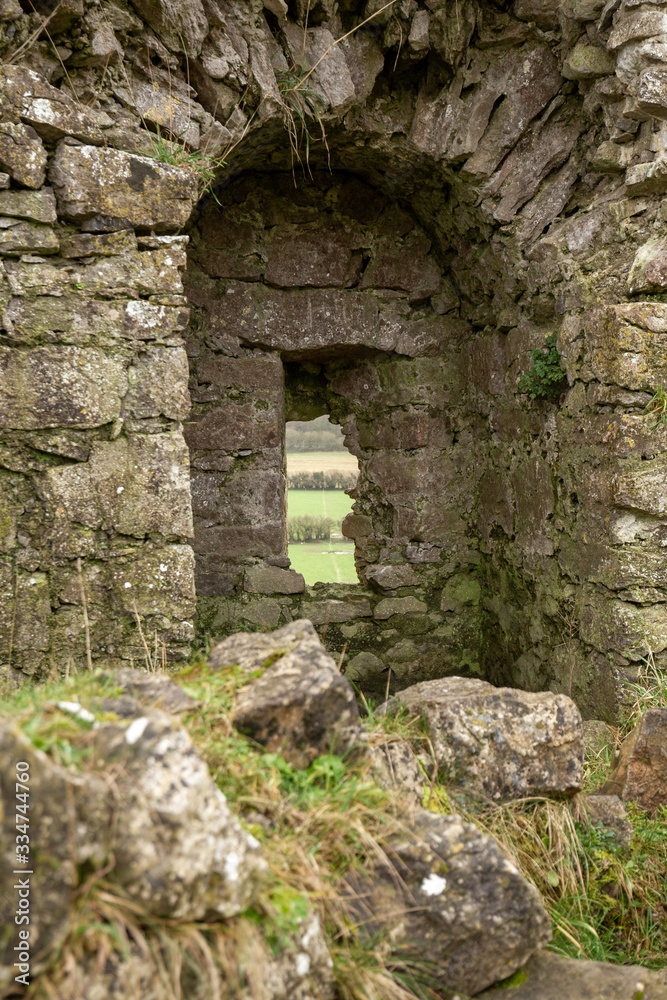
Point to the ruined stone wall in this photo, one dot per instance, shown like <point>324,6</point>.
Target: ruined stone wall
<point>329,298</point>
<point>526,142</point>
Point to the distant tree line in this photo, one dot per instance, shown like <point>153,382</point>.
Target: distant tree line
<point>309,528</point>
<point>313,435</point>
<point>337,479</point>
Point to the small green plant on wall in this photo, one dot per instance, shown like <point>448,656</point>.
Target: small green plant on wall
<point>546,378</point>
<point>657,406</point>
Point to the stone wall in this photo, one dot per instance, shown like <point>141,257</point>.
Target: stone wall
<point>524,147</point>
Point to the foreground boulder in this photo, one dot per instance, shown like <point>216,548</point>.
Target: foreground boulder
<point>301,706</point>
<point>640,774</point>
<point>501,743</point>
<point>179,850</point>
<point>549,977</point>
<point>148,803</point>
<point>449,896</point>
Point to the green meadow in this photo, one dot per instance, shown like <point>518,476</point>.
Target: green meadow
<point>325,562</point>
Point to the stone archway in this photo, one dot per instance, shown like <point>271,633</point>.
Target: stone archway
<point>527,143</point>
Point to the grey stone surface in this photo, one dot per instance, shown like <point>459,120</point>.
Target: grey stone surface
<point>179,850</point>
<point>501,743</point>
<point>300,706</point>
<point>457,902</point>
<point>547,976</point>
<point>141,191</point>
<point>610,812</point>
<point>641,769</point>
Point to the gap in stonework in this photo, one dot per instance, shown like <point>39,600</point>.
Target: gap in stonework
<point>319,470</point>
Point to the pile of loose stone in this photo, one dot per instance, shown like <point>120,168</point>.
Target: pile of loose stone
<point>446,893</point>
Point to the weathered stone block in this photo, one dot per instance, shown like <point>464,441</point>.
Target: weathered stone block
<point>26,237</point>
<point>81,318</point>
<point>647,178</point>
<point>158,384</point>
<point>134,485</point>
<point>59,387</point>
<point>651,91</point>
<point>399,606</point>
<point>640,774</point>
<point>252,497</point>
<point>239,540</point>
<point>610,812</point>
<point>322,612</point>
<point>310,258</point>
<point>38,206</point>
<point>90,181</point>
<point>301,706</point>
<point>156,582</point>
<point>356,526</point>
<point>649,268</point>
<point>627,345</point>
<point>585,62</point>
<point>59,834</point>
<point>25,610</point>
<point>179,849</point>
<point>99,244</point>
<point>447,893</point>
<point>391,577</point>
<point>406,266</point>
<point>272,580</point>
<point>237,426</point>
<point>643,487</point>
<point>501,743</point>
<point>22,154</point>
<point>546,975</point>
<point>183,27</point>
<point>50,111</point>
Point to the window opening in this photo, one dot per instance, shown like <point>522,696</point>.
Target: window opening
<point>319,470</point>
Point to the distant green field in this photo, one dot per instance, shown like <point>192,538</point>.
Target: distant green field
<point>329,503</point>
<point>324,562</point>
<point>320,461</point>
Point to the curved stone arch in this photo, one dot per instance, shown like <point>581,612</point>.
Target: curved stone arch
<point>534,164</point>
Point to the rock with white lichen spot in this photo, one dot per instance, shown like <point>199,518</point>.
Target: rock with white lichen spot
<point>180,852</point>
<point>449,896</point>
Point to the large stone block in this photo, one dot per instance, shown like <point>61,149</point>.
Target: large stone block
<point>82,319</point>
<point>627,345</point>
<point>643,486</point>
<point>649,268</point>
<point>37,206</point>
<point>301,706</point>
<point>237,541</point>
<point>243,497</point>
<point>547,976</point>
<point>237,426</point>
<point>156,582</point>
<point>135,485</point>
<point>446,893</point>
<point>50,111</point>
<point>158,384</point>
<point>25,237</point>
<point>90,181</point>
<point>273,580</point>
<point>640,774</point>
<point>608,623</point>
<point>322,321</point>
<point>501,743</point>
<point>59,387</point>
<point>22,154</point>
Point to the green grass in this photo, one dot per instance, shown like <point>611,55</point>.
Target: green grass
<point>324,562</point>
<point>324,503</point>
<point>320,562</point>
